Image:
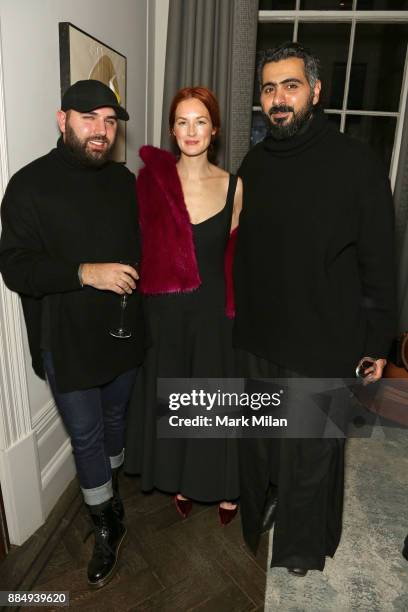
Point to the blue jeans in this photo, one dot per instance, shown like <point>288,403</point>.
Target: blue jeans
<point>95,421</point>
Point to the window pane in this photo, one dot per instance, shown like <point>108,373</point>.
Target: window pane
<point>382,5</point>
<point>378,66</point>
<point>277,5</point>
<point>378,132</point>
<point>259,127</point>
<point>335,119</point>
<point>329,41</point>
<point>270,35</point>
<point>326,5</point>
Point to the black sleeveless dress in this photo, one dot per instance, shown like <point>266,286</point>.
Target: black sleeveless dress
<point>191,337</point>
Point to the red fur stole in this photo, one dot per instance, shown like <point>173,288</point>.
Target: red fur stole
<point>168,263</point>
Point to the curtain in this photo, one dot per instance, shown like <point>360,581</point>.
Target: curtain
<point>401,210</point>
<point>213,43</point>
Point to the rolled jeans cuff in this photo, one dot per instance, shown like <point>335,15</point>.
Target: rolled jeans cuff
<point>98,495</point>
<point>117,460</point>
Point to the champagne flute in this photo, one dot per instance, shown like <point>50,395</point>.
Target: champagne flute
<point>121,331</point>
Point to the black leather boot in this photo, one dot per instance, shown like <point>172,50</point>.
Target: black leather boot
<point>300,572</point>
<point>109,533</point>
<point>117,502</point>
<point>269,512</point>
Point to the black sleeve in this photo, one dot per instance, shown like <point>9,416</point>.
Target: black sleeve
<point>376,258</point>
<point>24,262</point>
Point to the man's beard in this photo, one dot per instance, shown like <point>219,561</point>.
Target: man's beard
<point>283,128</point>
<point>82,153</point>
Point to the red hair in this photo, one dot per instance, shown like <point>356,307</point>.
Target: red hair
<point>205,96</point>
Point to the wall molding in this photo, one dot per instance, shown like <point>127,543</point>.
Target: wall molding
<point>52,440</point>
<point>56,475</point>
<point>15,419</point>
<point>44,420</point>
<point>15,407</point>
<point>53,466</point>
<point>19,468</point>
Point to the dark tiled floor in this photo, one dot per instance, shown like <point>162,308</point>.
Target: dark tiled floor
<point>167,563</point>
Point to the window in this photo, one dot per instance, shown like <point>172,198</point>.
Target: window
<point>362,45</point>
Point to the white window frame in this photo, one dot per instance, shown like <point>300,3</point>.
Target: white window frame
<point>354,17</point>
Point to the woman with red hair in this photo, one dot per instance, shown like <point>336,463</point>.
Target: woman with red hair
<point>188,208</point>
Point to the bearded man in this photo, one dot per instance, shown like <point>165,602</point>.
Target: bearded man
<point>314,282</point>
<point>68,219</point>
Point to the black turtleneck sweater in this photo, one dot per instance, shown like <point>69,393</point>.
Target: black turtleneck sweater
<point>56,214</point>
<point>314,266</point>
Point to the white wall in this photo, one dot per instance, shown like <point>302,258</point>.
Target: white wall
<point>160,41</point>
<point>31,86</point>
<point>31,66</point>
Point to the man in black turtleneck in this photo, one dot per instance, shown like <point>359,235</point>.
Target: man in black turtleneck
<point>68,220</point>
<point>314,283</point>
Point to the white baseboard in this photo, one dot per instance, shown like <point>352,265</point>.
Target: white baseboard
<point>34,473</point>
<point>21,479</point>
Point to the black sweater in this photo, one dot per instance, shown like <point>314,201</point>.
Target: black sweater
<point>314,267</point>
<point>56,214</point>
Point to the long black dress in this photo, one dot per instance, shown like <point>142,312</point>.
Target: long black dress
<point>191,337</point>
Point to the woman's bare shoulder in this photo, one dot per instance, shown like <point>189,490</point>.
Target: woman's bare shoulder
<point>219,172</point>
<point>240,188</point>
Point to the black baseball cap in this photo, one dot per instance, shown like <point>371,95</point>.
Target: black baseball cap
<point>84,96</point>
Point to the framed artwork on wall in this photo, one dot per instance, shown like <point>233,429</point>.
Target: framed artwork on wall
<point>84,57</point>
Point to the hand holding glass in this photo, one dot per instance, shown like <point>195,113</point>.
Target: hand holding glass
<point>121,331</point>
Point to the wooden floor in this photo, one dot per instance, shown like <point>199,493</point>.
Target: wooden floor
<point>167,563</point>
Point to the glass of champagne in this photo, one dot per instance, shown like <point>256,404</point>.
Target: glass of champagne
<point>121,331</point>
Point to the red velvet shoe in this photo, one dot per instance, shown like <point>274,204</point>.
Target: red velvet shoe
<point>183,506</point>
<point>226,515</point>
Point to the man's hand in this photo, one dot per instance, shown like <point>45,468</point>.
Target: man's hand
<point>374,371</point>
<point>116,277</point>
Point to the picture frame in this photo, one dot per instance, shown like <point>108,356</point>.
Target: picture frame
<point>82,56</point>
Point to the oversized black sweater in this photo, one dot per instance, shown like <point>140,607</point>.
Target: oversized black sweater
<point>314,266</point>
<point>56,214</point>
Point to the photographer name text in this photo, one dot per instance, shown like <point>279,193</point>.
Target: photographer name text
<point>226,421</point>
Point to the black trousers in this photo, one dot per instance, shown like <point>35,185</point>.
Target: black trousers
<point>309,475</point>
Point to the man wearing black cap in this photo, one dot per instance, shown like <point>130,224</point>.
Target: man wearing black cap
<point>69,219</point>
